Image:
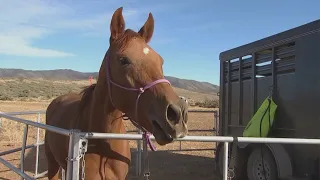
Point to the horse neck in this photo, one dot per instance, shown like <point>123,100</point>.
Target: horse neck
<point>103,117</point>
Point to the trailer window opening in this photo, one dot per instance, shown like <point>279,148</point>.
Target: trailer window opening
<point>246,68</point>
<point>263,63</point>
<point>285,58</point>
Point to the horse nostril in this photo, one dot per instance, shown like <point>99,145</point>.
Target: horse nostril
<point>173,113</point>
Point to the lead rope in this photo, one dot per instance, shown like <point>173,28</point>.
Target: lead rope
<point>145,134</point>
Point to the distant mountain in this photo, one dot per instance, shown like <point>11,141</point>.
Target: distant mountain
<point>67,74</point>
<point>58,74</point>
<point>192,85</point>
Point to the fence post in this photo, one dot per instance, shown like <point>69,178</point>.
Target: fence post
<point>225,160</point>
<point>217,123</point>
<point>216,126</point>
<point>146,171</point>
<point>37,146</point>
<point>23,149</point>
<point>138,157</point>
<point>63,174</point>
<point>73,155</point>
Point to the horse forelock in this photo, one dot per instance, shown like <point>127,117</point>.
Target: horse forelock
<point>124,40</point>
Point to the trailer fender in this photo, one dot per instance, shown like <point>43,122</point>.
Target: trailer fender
<point>281,158</point>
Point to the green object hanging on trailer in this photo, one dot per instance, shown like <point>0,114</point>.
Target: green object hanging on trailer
<point>261,122</point>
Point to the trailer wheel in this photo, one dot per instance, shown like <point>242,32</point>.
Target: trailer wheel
<point>255,168</point>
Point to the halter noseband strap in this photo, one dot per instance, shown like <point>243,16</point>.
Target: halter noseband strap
<point>141,90</point>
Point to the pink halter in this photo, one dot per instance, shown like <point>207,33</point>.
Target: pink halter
<point>141,90</point>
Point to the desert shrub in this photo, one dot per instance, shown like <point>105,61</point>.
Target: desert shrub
<point>191,102</point>
<point>26,90</point>
<point>23,93</point>
<point>208,103</point>
<point>39,89</point>
<point>20,79</point>
<point>5,97</point>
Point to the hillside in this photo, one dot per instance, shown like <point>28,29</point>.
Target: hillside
<point>31,89</point>
<point>67,74</point>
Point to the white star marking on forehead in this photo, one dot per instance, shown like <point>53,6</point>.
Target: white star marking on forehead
<point>146,50</point>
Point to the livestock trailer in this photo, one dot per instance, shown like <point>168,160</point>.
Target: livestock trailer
<point>287,67</point>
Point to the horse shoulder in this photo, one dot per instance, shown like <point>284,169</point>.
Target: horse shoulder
<point>60,106</point>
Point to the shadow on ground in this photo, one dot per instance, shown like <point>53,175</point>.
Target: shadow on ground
<point>163,165</point>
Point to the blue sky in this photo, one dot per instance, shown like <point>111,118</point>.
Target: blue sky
<point>189,35</point>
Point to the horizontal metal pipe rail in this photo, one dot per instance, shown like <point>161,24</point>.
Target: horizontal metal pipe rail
<point>19,149</point>
<point>92,135</point>
<point>14,169</point>
<point>202,111</point>
<point>41,175</point>
<point>36,124</point>
<point>189,130</point>
<point>38,143</point>
<point>23,148</point>
<point>44,111</point>
<point>26,113</point>
<point>187,150</point>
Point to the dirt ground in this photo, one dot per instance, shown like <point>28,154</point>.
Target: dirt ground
<point>188,164</point>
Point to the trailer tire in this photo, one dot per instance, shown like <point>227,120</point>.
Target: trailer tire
<point>255,168</point>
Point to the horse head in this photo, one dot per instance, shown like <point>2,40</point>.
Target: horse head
<point>133,74</point>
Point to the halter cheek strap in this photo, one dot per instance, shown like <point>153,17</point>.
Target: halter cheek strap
<point>140,91</point>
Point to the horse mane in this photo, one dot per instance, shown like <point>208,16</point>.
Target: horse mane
<point>86,95</point>
<point>88,89</point>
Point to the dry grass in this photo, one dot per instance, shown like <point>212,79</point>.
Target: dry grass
<point>163,164</point>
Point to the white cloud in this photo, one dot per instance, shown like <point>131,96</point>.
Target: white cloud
<point>18,31</point>
<point>23,22</point>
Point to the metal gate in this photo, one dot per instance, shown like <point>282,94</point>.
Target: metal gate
<point>76,137</point>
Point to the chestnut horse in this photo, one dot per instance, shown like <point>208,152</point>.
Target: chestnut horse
<point>130,81</point>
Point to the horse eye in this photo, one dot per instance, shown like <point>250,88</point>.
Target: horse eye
<point>124,61</point>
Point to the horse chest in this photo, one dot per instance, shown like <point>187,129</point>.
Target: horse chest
<point>99,167</point>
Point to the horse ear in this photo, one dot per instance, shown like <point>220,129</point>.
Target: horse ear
<point>146,31</point>
<point>117,24</point>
